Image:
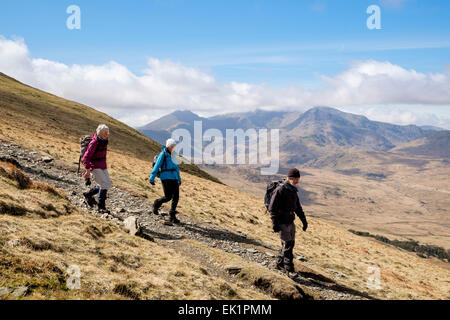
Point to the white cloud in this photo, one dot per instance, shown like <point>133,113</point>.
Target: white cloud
<point>374,82</point>
<point>165,86</point>
<point>404,114</point>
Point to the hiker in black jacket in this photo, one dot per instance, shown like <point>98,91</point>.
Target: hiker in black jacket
<point>283,207</point>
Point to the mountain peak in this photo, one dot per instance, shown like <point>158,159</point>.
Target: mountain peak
<point>321,110</point>
<point>185,113</point>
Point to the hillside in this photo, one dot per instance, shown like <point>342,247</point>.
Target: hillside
<point>436,145</point>
<point>43,234</point>
<point>222,228</point>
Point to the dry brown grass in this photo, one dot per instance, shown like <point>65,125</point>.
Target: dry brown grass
<point>37,252</point>
<point>22,196</point>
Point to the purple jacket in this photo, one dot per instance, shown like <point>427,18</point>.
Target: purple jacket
<point>95,155</point>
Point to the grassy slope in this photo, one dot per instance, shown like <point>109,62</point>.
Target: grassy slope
<point>404,275</point>
<point>38,245</point>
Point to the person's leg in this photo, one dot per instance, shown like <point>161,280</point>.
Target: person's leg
<point>102,199</point>
<point>280,259</point>
<point>89,196</point>
<point>288,241</point>
<point>166,198</point>
<point>283,237</point>
<point>176,195</point>
<point>175,192</point>
<point>103,179</point>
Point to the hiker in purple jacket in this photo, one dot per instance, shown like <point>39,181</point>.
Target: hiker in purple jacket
<point>94,160</point>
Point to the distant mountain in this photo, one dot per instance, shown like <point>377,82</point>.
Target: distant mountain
<point>255,119</point>
<point>326,126</point>
<point>432,128</point>
<point>304,136</point>
<point>172,121</point>
<point>160,130</point>
<point>435,145</point>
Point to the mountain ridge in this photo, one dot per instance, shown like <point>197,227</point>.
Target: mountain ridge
<point>435,145</point>
<point>303,136</point>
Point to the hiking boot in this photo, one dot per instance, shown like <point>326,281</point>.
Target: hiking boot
<point>289,267</point>
<point>173,217</point>
<point>89,197</point>
<point>174,220</point>
<point>102,208</point>
<point>279,264</point>
<point>155,209</point>
<point>102,202</point>
<point>89,200</point>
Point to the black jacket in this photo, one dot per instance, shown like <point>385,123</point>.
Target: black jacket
<point>284,204</point>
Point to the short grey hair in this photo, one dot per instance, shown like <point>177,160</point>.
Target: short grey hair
<point>101,127</point>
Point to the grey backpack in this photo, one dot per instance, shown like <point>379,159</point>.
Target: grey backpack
<point>84,143</point>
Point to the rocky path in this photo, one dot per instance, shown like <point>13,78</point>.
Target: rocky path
<point>158,229</point>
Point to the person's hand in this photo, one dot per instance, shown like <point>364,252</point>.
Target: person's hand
<point>276,228</point>
<point>305,225</point>
<point>87,174</point>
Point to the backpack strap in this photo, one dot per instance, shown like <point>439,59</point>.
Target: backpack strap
<point>164,161</point>
<point>165,164</point>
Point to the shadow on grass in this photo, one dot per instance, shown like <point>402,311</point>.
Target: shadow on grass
<point>221,235</point>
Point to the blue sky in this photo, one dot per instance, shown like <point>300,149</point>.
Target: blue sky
<point>275,43</point>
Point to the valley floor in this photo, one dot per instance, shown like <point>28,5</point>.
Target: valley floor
<point>409,203</point>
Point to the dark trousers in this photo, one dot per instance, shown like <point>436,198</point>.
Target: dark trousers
<point>287,235</point>
<point>171,192</point>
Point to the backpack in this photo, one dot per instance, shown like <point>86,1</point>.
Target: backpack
<point>271,187</point>
<point>84,143</point>
<point>163,164</point>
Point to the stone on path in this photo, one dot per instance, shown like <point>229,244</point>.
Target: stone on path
<point>46,159</point>
<point>233,269</point>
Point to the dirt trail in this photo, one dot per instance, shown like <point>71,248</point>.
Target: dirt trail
<point>156,228</point>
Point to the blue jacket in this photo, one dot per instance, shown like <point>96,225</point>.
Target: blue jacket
<point>173,174</point>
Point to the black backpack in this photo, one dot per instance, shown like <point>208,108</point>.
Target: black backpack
<point>271,187</point>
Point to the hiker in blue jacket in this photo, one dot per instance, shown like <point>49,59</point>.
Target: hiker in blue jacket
<point>166,169</point>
